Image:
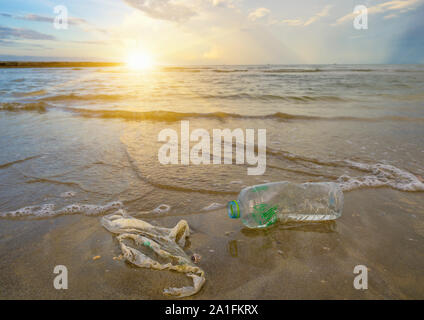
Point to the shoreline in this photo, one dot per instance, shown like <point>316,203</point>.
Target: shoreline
<point>57,64</point>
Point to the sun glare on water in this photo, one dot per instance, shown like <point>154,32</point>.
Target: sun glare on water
<point>139,61</point>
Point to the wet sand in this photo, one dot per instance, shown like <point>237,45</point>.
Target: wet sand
<point>313,261</point>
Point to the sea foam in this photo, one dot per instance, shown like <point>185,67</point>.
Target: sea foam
<point>382,175</point>
<point>48,210</point>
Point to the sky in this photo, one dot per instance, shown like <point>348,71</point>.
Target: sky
<point>184,32</point>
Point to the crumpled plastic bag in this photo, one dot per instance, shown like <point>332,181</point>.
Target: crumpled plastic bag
<point>166,243</point>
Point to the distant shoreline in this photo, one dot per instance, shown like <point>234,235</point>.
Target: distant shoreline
<point>57,64</point>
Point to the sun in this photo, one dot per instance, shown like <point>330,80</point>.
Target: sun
<point>139,61</point>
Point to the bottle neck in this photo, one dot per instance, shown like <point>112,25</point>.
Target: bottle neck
<point>233,209</point>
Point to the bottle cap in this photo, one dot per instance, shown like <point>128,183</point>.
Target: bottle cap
<point>233,209</point>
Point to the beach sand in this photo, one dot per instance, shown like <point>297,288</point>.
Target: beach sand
<point>313,261</point>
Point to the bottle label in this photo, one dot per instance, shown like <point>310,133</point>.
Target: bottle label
<point>264,214</point>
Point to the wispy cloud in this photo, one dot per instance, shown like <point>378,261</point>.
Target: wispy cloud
<point>258,14</point>
<point>390,16</point>
<point>323,13</point>
<point>40,18</point>
<point>223,3</point>
<point>21,33</point>
<point>293,22</point>
<point>93,42</point>
<point>300,22</point>
<point>82,23</point>
<point>163,9</point>
<point>21,45</point>
<point>8,43</point>
<point>398,6</point>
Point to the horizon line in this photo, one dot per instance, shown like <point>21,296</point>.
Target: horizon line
<point>93,63</point>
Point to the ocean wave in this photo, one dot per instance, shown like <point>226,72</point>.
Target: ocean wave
<point>167,116</point>
<point>363,175</point>
<point>295,70</point>
<point>359,175</point>
<point>273,97</point>
<point>240,96</point>
<point>382,175</point>
<point>11,163</point>
<point>229,71</point>
<point>48,210</point>
<point>29,93</point>
<point>183,69</point>
<point>52,181</point>
<point>201,69</point>
<point>406,70</point>
<point>292,70</point>
<point>17,106</point>
<point>172,116</point>
<point>85,97</point>
<point>275,70</point>
<point>404,97</point>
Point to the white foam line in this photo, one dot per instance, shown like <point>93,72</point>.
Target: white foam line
<point>48,210</point>
<point>382,175</point>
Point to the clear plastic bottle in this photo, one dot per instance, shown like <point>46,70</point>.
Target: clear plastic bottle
<point>262,205</point>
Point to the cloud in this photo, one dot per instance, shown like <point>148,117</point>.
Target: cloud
<point>258,14</point>
<point>21,33</point>
<point>26,46</point>
<point>8,43</point>
<point>163,9</point>
<point>223,3</point>
<point>84,24</point>
<point>397,5</point>
<point>293,22</point>
<point>299,22</point>
<point>93,42</point>
<point>40,18</point>
<point>390,16</point>
<point>323,13</point>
